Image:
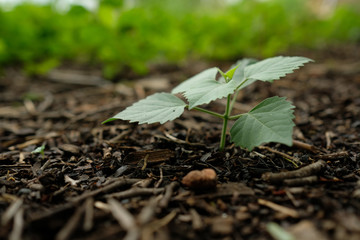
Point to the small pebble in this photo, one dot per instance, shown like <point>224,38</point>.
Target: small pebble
<point>199,180</point>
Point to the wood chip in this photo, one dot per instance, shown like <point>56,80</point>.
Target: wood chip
<point>70,148</point>
<point>284,210</point>
<point>154,156</point>
<point>222,225</point>
<point>306,230</point>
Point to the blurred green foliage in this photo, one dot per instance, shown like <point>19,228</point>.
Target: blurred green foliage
<point>117,36</point>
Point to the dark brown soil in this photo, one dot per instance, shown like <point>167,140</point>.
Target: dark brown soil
<point>123,181</point>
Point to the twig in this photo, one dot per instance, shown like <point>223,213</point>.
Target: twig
<point>328,136</point>
<point>332,156</point>
<point>46,164</point>
<point>292,198</point>
<point>122,215</point>
<point>61,190</point>
<point>36,140</point>
<point>197,223</point>
<point>107,153</point>
<point>18,225</point>
<point>125,219</point>
<point>145,162</point>
<point>293,160</point>
<point>285,210</point>
<point>170,138</point>
<point>119,183</point>
<point>102,206</point>
<point>305,146</point>
<point>301,181</point>
<point>143,183</point>
<point>11,211</point>
<point>154,226</point>
<point>135,192</point>
<point>89,214</point>
<point>169,190</point>
<point>148,212</point>
<point>299,173</point>
<point>161,178</point>
<point>71,225</point>
<point>14,166</point>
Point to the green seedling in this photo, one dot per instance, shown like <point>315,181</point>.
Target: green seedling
<point>40,150</point>
<point>269,121</point>
<point>278,233</point>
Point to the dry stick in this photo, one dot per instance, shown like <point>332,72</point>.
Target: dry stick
<point>285,210</point>
<point>70,226</point>
<point>299,173</point>
<point>148,212</point>
<point>284,155</point>
<point>61,190</point>
<point>145,162</point>
<point>46,164</point>
<point>89,214</point>
<point>125,219</point>
<point>143,183</point>
<point>156,225</point>
<point>18,225</point>
<point>197,223</point>
<point>102,206</point>
<point>161,178</point>
<point>11,211</point>
<point>14,166</point>
<point>121,214</point>
<point>328,136</point>
<point>305,146</point>
<point>119,183</point>
<point>169,190</point>
<point>332,156</point>
<point>301,181</point>
<point>292,198</point>
<point>135,192</point>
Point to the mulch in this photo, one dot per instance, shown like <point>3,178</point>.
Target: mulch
<point>125,181</point>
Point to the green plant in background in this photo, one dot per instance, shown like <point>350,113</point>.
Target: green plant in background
<point>117,37</point>
<point>269,121</point>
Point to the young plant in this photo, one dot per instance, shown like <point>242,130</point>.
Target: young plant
<point>40,150</point>
<point>269,121</point>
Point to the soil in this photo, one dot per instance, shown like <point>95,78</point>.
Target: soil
<point>124,181</point>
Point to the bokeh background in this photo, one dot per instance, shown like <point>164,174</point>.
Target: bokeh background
<point>117,36</point>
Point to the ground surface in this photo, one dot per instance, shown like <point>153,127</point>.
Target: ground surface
<point>123,181</point>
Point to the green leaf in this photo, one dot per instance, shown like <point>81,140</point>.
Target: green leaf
<point>40,149</point>
<point>239,75</point>
<point>273,68</point>
<point>278,233</point>
<point>226,77</point>
<point>159,107</point>
<point>238,67</point>
<point>269,121</point>
<point>203,88</point>
<point>223,75</point>
<point>230,73</point>
<point>197,80</point>
<point>209,91</point>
